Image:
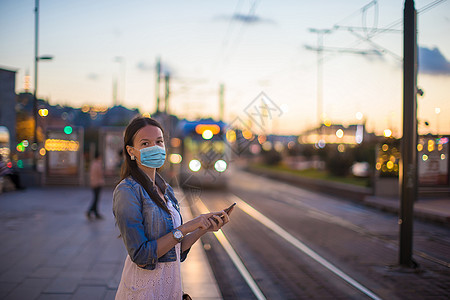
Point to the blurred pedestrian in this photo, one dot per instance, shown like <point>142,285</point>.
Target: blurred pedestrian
<point>11,173</point>
<point>149,220</point>
<point>97,180</point>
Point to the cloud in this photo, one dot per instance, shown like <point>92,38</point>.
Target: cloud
<point>246,19</point>
<point>93,76</point>
<point>147,67</point>
<point>144,66</point>
<point>431,61</point>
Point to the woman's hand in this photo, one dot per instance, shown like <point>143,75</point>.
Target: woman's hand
<point>218,219</point>
<point>201,222</point>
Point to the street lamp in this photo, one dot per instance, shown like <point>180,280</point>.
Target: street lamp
<point>37,58</point>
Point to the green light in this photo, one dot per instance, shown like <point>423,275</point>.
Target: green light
<point>20,147</point>
<point>68,130</point>
<point>20,164</point>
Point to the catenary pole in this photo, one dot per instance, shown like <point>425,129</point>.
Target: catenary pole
<point>408,169</point>
<point>35,101</point>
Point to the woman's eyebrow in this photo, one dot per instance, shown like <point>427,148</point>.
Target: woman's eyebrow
<point>158,138</point>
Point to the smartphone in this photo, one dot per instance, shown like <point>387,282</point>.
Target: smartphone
<point>230,208</point>
<point>227,210</point>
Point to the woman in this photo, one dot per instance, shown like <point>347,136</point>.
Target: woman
<point>97,181</point>
<point>149,219</point>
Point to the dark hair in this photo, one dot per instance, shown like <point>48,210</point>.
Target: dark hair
<point>130,167</point>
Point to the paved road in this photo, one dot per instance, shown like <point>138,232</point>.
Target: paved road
<point>51,251</point>
<point>359,241</point>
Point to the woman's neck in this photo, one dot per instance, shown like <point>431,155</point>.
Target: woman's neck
<point>150,172</point>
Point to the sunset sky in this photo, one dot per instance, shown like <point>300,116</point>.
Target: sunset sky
<point>249,46</point>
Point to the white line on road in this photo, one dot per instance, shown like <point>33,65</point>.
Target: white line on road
<point>234,256</point>
<point>301,246</point>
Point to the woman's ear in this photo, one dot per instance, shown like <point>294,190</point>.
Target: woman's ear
<point>130,151</point>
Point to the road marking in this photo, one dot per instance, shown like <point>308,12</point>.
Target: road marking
<point>234,256</point>
<point>301,246</point>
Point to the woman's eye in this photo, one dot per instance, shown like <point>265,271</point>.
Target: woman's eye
<point>160,142</point>
<point>144,143</point>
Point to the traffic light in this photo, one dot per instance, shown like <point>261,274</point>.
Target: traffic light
<point>68,130</point>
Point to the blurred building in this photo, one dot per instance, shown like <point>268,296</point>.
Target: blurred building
<point>7,103</point>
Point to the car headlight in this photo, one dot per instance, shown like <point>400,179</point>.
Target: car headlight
<point>220,165</point>
<point>195,165</point>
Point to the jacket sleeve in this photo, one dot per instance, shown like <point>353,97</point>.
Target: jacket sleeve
<point>183,254</point>
<point>128,213</point>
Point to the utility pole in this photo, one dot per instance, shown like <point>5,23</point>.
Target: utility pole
<point>115,102</point>
<point>408,169</point>
<point>167,92</point>
<point>35,101</point>
<point>221,101</point>
<point>158,78</point>
<point>319,50</point>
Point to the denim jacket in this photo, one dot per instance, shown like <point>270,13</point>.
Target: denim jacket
<point>141,222</point>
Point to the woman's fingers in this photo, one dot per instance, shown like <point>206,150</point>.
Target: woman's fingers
<point>225,217</point>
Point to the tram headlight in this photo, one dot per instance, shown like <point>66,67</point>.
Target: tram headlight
<point>194,165</point>
<point>220,165</point>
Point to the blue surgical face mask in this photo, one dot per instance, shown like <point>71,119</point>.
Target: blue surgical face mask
<point>153,157</point>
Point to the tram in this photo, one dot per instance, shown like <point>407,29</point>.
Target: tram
<point>201,153</point>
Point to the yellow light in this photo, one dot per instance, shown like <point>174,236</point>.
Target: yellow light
<point>61,145</point>
<point>262,139</point>
<point>339,133</point>
<point>207,134</point>
<point>390,165</point>
<point>440,147</point>
<point>430,145</point>
<point>231,136</point>
<point>442,156</point>
<point>43,112</point>
<point>146,115</point>
<point>327,123</point>
<point>392,158</point>
<point>42,152</point>
<point>378,166</point>
<point>385,147</point>
<point>387,133</point>
<point>267,146</point>
<point>175,158</point>
<point>341,148</point>
<point>279,147</point>
<point>85,108</point>
<point>419,147</point>
<point>424,157</point>
<point>175,142</point>
<point>247,134</point>
<point>200,128</point>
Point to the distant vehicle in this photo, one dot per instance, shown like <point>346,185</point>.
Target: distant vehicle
<point>361,169</point>
<point>201,153</point>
